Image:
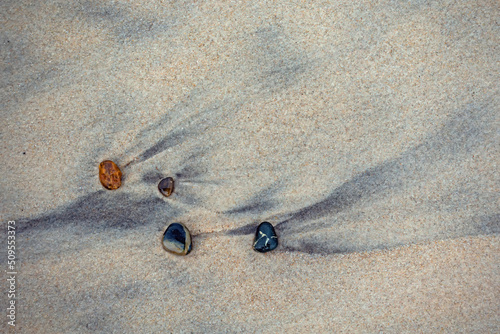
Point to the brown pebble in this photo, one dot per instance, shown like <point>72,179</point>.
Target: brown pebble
<point>110,175</point>
<point>166,186</point>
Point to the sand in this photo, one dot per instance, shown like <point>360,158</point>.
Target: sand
<point>366,132</point>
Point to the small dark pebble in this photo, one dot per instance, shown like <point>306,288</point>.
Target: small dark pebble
<point>110,175</point>
<point>177,239</point>
<point>166,186</point>
<point>265,238</point>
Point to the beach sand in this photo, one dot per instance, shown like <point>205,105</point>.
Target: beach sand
<point>366,132</point>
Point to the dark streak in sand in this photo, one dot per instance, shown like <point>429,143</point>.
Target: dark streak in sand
<point>463,134</point>
<point>103,211</point>
<point>460,136</point>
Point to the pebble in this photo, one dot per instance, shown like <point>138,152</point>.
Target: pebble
<point>110,175</point>
<point>265,238</point>
<point>177,239</point>
<point>166,186</point>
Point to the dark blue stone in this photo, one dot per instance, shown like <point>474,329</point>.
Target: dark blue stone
<point>177,239</point>
<point>265,238</point>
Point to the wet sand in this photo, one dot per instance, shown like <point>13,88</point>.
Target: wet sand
<point>367,134</point>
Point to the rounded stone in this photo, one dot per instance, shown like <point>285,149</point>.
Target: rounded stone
<point>166,186</point>
<point>177,239</point>
<point>110,175</point>
<point>265,238</point>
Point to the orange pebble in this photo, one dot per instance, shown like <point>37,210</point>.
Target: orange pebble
<point>110,175</point>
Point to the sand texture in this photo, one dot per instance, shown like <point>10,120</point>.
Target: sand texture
<point>366,132</point>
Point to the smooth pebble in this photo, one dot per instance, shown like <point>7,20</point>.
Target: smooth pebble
<point>265,238</point>
<point>166,186</point>
<point>177,239</point>
<point>110,175</point>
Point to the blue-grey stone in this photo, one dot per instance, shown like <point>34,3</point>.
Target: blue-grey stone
<point>177,239</point>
